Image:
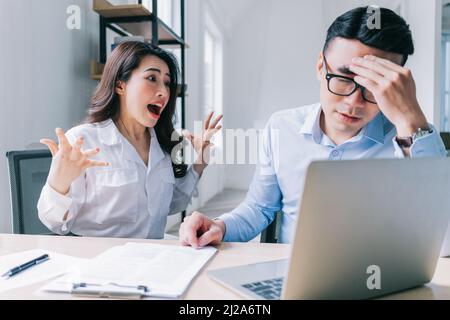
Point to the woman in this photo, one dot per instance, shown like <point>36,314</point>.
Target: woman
<point>114,176</point>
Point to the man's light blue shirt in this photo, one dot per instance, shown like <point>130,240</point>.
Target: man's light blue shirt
<point>292,140</point>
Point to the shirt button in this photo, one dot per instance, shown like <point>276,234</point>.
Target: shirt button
<point>335,154</point>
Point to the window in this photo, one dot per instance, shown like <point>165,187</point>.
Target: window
<point>212,96</point>
<point>165,11</point>
<point>213,76</point>
<point>445,82</point>
<point>169,12</point>
<point>213,69</point>
<point>209,73</point>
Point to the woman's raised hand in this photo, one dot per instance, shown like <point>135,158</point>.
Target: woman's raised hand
<point>201,143</point>
<point>69,161</point>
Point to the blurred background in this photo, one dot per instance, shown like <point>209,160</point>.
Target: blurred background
<point>245,59</point>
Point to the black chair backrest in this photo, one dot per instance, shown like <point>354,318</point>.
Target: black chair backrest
<point>272,233</point>
<point>28,171</point>
<point>446,138</point>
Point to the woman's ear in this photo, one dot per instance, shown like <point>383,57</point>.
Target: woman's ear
<point>319,66</point>
<point>120,87</point>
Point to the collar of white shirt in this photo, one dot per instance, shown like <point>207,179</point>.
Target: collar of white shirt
<point>110,135</point>
<point>375,130</point>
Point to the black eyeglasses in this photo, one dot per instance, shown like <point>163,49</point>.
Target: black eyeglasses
<point>345,86</point>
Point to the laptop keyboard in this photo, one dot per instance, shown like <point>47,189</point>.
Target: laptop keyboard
<point>268,289</point>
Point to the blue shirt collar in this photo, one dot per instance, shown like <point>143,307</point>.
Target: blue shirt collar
<point>311,125</point>
<point>377,129</point>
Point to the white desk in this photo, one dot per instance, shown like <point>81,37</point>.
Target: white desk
<point>230,254</point>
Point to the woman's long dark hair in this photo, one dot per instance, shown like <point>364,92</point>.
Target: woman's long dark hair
<point>124,59</point>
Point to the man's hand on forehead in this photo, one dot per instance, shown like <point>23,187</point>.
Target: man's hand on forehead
<point>394,89</point>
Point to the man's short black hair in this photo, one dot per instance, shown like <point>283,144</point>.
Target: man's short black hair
<point>393,36</point>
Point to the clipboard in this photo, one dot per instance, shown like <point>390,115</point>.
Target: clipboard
<point>109,290</point>
<point>134,271</point>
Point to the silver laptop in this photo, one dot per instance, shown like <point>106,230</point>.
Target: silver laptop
<point>365,228</point>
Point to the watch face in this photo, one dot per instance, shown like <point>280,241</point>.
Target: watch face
<point>421,133</point>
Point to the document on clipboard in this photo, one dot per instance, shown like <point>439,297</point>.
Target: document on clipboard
<point>136,270</point>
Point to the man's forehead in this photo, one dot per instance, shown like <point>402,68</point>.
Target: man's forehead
<point>341,52</point>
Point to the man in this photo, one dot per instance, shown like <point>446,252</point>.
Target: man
<point>368,109</point>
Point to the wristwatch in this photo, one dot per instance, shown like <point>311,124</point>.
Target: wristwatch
<point>407,142</point>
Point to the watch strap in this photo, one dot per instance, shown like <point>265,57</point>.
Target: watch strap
<point>407,142</point>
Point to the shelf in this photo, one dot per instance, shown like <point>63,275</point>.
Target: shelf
<point>144,28</point>
<point>136,19</point>
<point>107,10</point>
<point>97,70</point>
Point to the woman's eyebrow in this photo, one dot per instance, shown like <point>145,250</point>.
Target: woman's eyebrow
<point>156,70</point>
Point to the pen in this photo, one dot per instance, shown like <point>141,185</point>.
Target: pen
<point>26,265</point>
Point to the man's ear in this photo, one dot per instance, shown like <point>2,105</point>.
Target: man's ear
<point>319,66</point>
<point>120,87</point>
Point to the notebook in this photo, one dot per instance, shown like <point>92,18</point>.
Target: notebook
<point>135,270</point>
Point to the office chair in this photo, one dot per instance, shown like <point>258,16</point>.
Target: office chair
<point>272,233</point>
<point>446,138</point>
<point>28,171</point>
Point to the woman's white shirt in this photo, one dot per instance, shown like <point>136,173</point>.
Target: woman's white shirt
<point>125,199</point>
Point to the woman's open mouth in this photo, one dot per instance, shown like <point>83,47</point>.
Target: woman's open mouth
<point>155,110</point>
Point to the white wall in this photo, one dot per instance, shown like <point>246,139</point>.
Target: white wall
<point>425,18</point>
<point>196,11</point>
<point>269,65</point>
<point>333,9</point>
<point>44,78</point>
